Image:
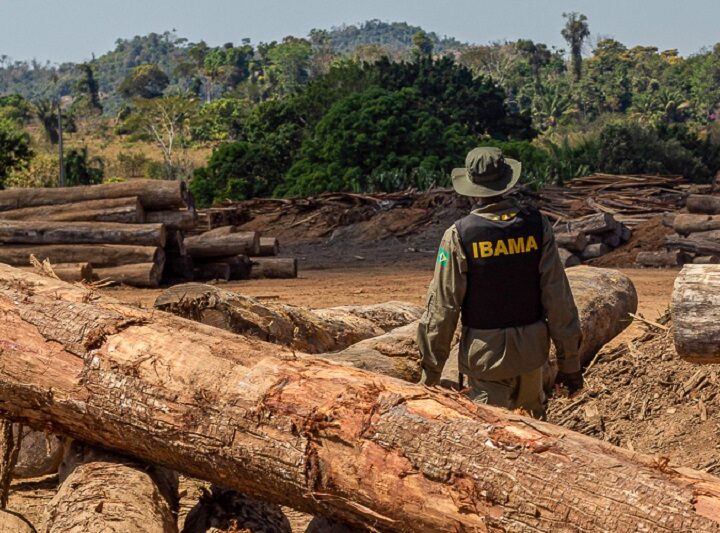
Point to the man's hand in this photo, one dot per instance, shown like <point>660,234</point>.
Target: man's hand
<point>572,380</point>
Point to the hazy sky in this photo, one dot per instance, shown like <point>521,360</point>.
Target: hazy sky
<point>71,30</point>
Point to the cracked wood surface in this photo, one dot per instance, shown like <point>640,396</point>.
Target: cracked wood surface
<point>324,438</point>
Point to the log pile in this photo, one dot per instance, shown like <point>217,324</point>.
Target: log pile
<point>696,313</point>
<point>589,237</point>
<point>133,233</point>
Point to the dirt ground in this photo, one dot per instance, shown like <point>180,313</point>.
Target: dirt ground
<point>360,283</point>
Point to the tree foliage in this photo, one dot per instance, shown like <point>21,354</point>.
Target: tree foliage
<point>145,81</point>
<point>14,148</point>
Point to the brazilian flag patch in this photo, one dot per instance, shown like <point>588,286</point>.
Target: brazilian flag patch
<point>442,257</point>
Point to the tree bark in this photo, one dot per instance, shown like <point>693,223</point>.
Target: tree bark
<point>312,331</point>
<point>38,232</point>
<point>324,438</point>
<point>705,243</point>
<point>593,251</point>
<point>269,246</point>
<point>662,258</point>
<point>567,258</point>
<point>99,255</point>
<point>575,241</point>
<point>709,205</point>
<point>592,224</point>
<point>210,246</point>
<point>103,491</point>
<point>176,219</point>
<point>706,260</point>
<point>11,522</point>
<point>696,313</point>
<point>124,210</point>
<point>273,267</point>
<point>10,442</point>
<point>70,272</point>
<point>153,194</point>
<point>212,271</point>
<point>686,224</point>
<point>143,275</point>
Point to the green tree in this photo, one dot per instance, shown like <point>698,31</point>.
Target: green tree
<point>289,64</point>
<point>422,45</point>
<point>14,148</point>
<point>88,86</point>
<point>46,111</point>
<point>145,81</point>
<point>575,32</point>
<point>537,55</point>
<point>81,169</point>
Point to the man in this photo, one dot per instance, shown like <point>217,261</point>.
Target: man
<point>499,270</point>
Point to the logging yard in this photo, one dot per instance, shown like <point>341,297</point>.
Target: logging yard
<point>253,366</point>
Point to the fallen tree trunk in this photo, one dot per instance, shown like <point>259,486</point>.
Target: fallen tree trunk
<point>70,272</point>
<point>102,491</point>
<point>269,246</point>
<point>575,241</point>
<point>99,255</point>
<point>706,260</point>
<point>312,331</point>
<point>11,522</point>
<point>661,258</point>
<point>144,275</point>
<point>273,267</point>
<point>39,232</point>
<point>211,246</point>
<point>686,224</point>
<point>705,243</point>
<point>153,194</point>
<point>317,436</point>
<point>124,210</point>
<point>696,313</point>
<point>567,258</point>
<point>709,205</point>
<point>177,219</point>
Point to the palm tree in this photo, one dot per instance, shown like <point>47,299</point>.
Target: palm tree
<point>575,32</point>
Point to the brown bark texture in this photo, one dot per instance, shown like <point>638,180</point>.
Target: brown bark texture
<point>687,224</point>
<point>101,491</point>
<point>208,246</point>
<point>10,442</point>
<point>99,255</point>
<point>704,243</point>
<point>701,203</point>
<point>125,210</point>
<point>11,522</point>
<point>662,258</point>
<point>575,241</point>
<point>696,313</point>
<point>269,246</point>
<point>317,436</point>
<point>39,232</point>
<point>178,219</point>
<point>312,331</point>
<point>273,267</point>
<point>153,194</point>
<point>144,275</point>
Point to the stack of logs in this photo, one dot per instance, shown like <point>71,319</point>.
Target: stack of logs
<point>696,239</point>
<point>130,232</point>
<point>589,237</point>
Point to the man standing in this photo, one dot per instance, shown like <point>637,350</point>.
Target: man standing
<point>498,270</point>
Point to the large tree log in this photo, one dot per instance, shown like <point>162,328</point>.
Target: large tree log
<point>145,275</point>
<point>567,258</point>
<point>177,219</point>
<point>696,313</point>
<point>11,522</point>
<point>269,246</point>
<point>662,258</point>
<point>686,224</point>
<point>706,260</point>
<point>38,232</point>
<point>575,241</point>
<point>709,205</point>
<point>99,255</point>
<point>103,491</point>
<point>273,267</point>
<point>209,246</point>
<point>125,210</point>
<point>153,194</point>
<point>317,436</point>
<point>704,243</point>
<point>312,331</point>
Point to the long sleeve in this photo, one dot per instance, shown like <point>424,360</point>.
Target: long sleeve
<point>444,302</point>
<point>559,304</point>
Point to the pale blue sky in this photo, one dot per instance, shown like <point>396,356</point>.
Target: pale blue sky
<point>71,30</point>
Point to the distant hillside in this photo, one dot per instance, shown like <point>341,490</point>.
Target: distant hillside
<point>395,36</point>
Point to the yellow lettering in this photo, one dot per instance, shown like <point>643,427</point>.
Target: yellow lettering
<point>531,244</point>
<point>486,249</point>
<point>516,246</point>
<point>500,248</point>
<point>475,250</point>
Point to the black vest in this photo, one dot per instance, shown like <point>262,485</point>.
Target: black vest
<point>503,278</point>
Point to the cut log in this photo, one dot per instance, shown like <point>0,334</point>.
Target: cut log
<point>125,210</point>
<point>668,219</point>
<point>705,243</point>
<point>103,491</point>
<point>269,246</point>
<point>323,438</point>
<point>273,267</point>
<point>702,203</point>
<point>99,255</point>
<point>38,232</point>
<point>212,271</point>
<point>612,240</point>
<point>176,242</point>
<point>593,251</point>
<point>625,233</point>
<point>686,224</point>
<point>568,259</point>
<point>40,454</point>
<point>153,194</point>
<point>71,272</point>
<point>706,260</point>
<point>209,246</point>
<point>594,224</point>
<point>696,313</point>
<point>178,268</point>
<point>672,258</point>
<point>143,275</point>
<point>575,241</point>
<point>178,219</point>
<point>12,522</point>
<point>312,331</point>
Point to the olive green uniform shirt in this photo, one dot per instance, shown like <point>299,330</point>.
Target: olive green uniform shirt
<point>496,354</point>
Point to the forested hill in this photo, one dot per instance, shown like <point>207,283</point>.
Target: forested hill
<point>396,37</point>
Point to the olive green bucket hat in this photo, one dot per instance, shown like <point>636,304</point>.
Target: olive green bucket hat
<point>486,173</point>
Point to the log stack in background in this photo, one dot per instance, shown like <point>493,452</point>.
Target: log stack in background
<point>589,237</point>
<point>133,233</point>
